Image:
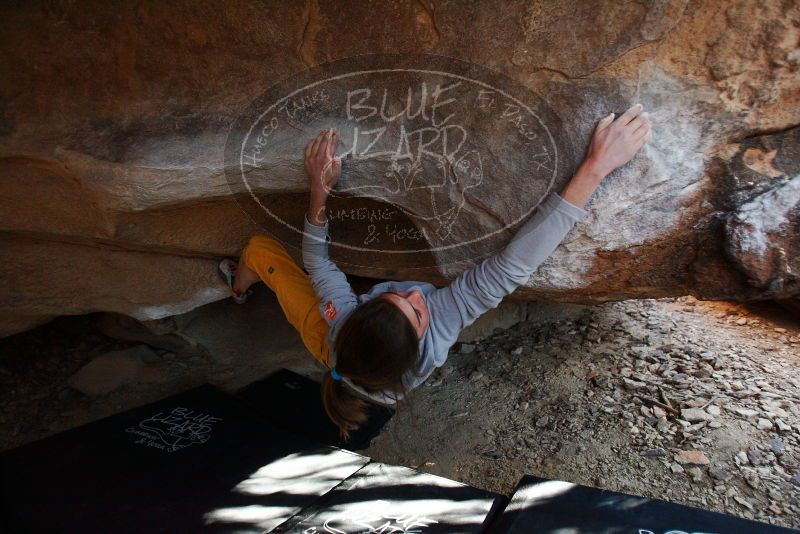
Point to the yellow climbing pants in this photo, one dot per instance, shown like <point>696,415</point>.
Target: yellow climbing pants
<point>293,289</point>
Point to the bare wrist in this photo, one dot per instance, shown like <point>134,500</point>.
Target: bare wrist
<point>592,170</point>
<point>316,213</point>
<point>583,184</point>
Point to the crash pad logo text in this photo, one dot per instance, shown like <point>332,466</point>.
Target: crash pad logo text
<point>175,430</point>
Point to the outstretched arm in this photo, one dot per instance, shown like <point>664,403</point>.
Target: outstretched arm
<point>483,287</point>
<point>329,282</point>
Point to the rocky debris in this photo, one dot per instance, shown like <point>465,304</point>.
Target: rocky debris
<point>691,457</point>
<point>745,412</point>
<point>113,370</point>
<point>542,421</point>
<point>719,474</point>
<point>466,348</point>
<point>764,424</point>
<point>696,473</point>
<point>116,196</point>
<point>633,384</point>
<point>694,415</point>
<point>782,427</point>
<point>776,446</point>
<point>477,376</point>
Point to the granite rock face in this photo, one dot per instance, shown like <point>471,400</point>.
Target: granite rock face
<point>762,232</point>
<point>118,123</point>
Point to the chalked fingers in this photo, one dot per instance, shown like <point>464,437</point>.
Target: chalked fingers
<point>322,145</point>
<point>640,125</point>
<point>315,144</point>
<point>332,139</point>
<point>309,146</point>
<point>629,115</point>
<point>643,140</point>
<point>328,143</point>
<point>605,123</point>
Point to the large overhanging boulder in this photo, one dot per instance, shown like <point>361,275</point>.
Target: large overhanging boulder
<point>125,131</point>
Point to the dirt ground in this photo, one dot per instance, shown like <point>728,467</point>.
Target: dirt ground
<point>692,402</point>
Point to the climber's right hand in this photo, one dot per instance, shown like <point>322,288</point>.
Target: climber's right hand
<point>615,142</point>
<point>322,165</point>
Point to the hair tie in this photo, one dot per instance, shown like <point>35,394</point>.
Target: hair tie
<point>336,376</point>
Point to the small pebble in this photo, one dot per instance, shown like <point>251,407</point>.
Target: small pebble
<point>466,348</point>
<point>695,473</point>
<point>542,421</point>
<point>776,446</point>
<point>719,474</point>
<point>692,457</point>
<point>782,427</point>
<point>695,414</point>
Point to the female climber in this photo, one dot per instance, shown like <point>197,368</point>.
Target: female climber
<point>382,344</point>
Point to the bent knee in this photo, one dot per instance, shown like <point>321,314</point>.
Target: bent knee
<point>261,241</point>
<point>260,249</point>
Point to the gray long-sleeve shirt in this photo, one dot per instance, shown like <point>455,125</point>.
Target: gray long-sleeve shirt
<point>450,308</point>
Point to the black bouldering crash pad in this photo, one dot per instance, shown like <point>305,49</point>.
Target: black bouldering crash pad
<point>197,461</point>
<point>388,498</point>
<point>301,411</point>
<point>551,506</point>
